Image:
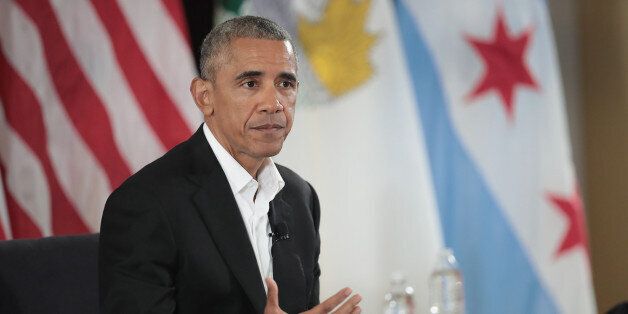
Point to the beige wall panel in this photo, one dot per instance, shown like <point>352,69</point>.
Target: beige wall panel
<point>604,29</point>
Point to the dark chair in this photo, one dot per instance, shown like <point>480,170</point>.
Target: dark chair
<point>620,308</point>
<point>49,275</point>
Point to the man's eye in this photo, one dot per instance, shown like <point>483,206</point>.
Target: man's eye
<point>286,84</point>
<point>250,84</point>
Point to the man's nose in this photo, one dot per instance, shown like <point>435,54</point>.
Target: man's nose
<point>271,103</point>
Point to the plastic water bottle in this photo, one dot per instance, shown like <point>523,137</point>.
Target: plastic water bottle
<point>446,287</point>
<point>400,297</point>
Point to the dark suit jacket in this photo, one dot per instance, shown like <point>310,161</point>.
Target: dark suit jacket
<point>173,240</point>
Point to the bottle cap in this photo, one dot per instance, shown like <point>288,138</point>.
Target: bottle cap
<point>446,259</point>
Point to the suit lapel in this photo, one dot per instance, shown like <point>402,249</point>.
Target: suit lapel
<point>287,266</point>
<point>219,211</point>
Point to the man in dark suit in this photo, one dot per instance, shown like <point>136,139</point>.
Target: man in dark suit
<point>199,229</point>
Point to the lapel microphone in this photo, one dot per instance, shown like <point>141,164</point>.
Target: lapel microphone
<point>280,232</point>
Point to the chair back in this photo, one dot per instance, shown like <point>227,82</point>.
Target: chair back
<point>49,275</point>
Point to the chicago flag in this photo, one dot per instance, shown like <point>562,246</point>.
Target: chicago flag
<point>489,96</point>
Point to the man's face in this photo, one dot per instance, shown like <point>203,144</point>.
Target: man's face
<point>252,99</point>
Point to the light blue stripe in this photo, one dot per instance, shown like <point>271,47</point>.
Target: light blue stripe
<point>499,277</point>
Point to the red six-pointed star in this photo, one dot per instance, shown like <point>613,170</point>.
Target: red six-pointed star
<point>576,235</point>
<point>504,59</point>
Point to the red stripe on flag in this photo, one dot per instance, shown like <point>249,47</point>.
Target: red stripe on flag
<point>80,100</point>
<point>175,9</point>
<point>23,113</point>
<point>21,225</point>
<point>158,107</point>
<point>2,233</point>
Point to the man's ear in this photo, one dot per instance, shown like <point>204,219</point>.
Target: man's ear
<point>202,92</point>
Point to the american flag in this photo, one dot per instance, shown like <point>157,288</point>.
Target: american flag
<point>90,91</point>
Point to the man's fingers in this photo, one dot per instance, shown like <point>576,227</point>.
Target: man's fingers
<point>272,299</point>
<point>351,306</point>
<point>333,301</point>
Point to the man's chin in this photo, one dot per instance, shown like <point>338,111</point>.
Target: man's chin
<point>270,151</point>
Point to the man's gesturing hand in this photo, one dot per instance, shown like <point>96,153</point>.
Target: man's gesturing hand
<point>327,306</point>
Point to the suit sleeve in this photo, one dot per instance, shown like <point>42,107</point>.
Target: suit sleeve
<point>137,255</point>
<point>314,297</point>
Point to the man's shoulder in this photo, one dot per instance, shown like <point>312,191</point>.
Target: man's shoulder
<point>175,163</point>
<point>294,183</point>
<point>289,176</point>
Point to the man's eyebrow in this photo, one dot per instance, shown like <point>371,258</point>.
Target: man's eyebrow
<point>248,74</point>
<point>288,76</point>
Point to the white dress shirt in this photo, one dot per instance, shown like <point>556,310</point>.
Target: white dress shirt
<point>253,208</point>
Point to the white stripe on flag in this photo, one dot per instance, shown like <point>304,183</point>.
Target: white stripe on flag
<point>91,46</point>
<point>166,51</point>
<point>4,211</point>
<point>80,176</point>
<point>26,179</point>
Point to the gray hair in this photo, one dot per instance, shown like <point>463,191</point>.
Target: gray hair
<point>220,37</point>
